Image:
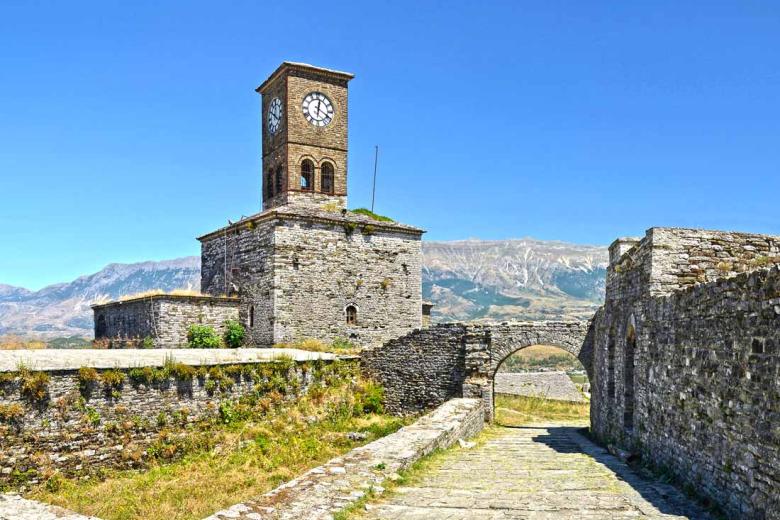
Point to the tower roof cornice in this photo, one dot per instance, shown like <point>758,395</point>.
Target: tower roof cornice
<point>288,66</point>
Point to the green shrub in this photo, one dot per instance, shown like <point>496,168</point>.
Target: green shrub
<point>369,398</point>
<point>349,228</point>
<point>141,375</point>
<point>147,342</point>
<point>342,343</point>
<point>87,377</point>
<point>234,334</point>
<point>203,336</point>
<point>182,372</point>
<point>112,379</point>
<point>11,413</point>
<point>226,384</point>
<point>35,386</point>
<point>369,229</point>
<point>92,416</point>
<point>8,377</point>
<point>368,213</point>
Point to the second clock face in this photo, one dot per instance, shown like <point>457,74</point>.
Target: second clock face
<point>317,109</point>
<point>274,115</point>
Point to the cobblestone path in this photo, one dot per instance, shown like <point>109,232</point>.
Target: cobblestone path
<point>549,472</point>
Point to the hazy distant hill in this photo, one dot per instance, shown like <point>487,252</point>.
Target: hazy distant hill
<point>469,279</point>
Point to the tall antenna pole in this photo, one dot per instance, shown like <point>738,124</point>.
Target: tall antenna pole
<point>373,189</point>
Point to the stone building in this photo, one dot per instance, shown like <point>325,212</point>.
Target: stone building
<point>164,318</point>
<point>686,362</point>
<point>306,267</point>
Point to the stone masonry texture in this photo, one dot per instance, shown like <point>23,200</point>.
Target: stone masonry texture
<point>537,472</point>
<point>80,428</point>
<point>323,491</point>
<point>426,367</point>
<point>548,385</point>
<point>687,362</point>
<point>297,139</point>
<point>163,318</point>
<point>296,271</point>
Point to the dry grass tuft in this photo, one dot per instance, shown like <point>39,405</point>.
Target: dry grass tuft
<point>517,410</point>
<point>160,292</point>
<point>314,345</point>
<point>12,342</point>
<point>242,459</point>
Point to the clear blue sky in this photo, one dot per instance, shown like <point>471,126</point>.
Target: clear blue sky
<point>129,128</point>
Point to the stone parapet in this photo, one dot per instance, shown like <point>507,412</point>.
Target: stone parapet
<point>103,409</point>
<point>324,491</point>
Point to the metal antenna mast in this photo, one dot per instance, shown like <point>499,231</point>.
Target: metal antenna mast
<point>373,189</point>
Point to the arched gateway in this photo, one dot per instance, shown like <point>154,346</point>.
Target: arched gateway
<point>425,368</point>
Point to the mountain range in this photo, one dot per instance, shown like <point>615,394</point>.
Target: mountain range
<point>523,279</point>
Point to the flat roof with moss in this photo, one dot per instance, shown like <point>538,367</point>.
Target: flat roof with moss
<point>358,217</point>
<point>202,298</point>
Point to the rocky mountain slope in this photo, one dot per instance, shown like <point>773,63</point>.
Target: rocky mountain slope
<point>64,309</point>
<point>513,279</point>
<point>467,280</point>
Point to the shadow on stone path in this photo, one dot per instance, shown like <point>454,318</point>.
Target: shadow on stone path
<point>544,472</point>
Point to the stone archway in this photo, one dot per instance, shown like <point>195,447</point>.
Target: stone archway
<point>487,346</point>
<point>426,367</point>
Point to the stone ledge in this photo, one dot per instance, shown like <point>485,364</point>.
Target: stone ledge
<point>342,481</point>
<point>199,298</point>
<point>14,507</point>
<point>49,359</point>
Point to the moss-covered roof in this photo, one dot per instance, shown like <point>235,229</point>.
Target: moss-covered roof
<point>338,217</point>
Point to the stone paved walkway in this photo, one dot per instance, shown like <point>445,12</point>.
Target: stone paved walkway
<point>549,472</point>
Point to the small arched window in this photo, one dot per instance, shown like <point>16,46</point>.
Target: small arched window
<point>307,175</point>
<point>279,179</point>
<point>351,312</point>
<point>326,180</point>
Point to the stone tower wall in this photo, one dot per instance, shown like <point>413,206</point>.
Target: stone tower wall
<point>250,275</point>
<point>300,269</point>
<point>298,139</point>
<point>320,268</point>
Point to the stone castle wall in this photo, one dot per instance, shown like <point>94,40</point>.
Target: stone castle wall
<point>296,271</point>
<point>421,370</point>
<point>163,318</point>
<point>705,363</point>
<point>426,367</point>
<point>80,429</point>
<point>321,268</point>
<point>248,273</point>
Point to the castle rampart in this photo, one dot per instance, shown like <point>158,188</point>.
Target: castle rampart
<point>686,362</point>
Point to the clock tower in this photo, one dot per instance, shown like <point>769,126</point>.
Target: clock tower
<point>304,119</point>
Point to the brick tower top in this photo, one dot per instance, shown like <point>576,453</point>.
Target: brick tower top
<point>304,120</point>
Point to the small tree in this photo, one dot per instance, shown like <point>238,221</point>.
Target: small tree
<point>234,334</point>
<point>203,336</point>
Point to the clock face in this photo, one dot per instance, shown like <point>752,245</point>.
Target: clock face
<point>274,115</point>
<point>317,109</point>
